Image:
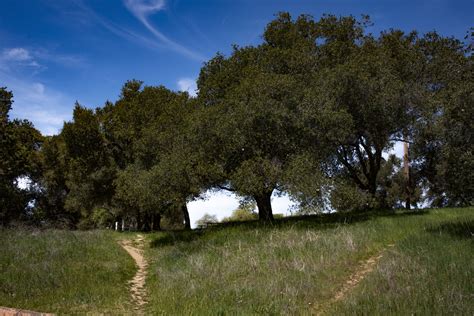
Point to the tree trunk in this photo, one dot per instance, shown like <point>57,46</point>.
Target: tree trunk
<point>139,221</point>
<point>264,206</point>
<point>147,223</point>
<point>155,222</point>
<point>406,172</point>
<point>187,221</point>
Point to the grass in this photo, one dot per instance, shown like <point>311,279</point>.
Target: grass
<point>297,265</point>
<point>64,271</point>
<point>294,266</point>
<point>428,273</point>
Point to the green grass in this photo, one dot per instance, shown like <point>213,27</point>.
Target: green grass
<point>430,272</point>
<point>296,266</point>
<point>64,271</point>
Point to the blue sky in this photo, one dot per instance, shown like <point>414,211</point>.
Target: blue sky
<point>54,52</point>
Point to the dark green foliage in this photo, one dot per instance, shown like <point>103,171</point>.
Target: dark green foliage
<point>19,144</point>
<point>159,165</point>
<point>250,99</point>
<point>53,191</point>
<point>90,170</point>
<point>444,141</point>
<point>312,111</point>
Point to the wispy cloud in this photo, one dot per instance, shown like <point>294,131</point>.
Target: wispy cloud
<point>66,60</point>
<point>46,108</point>
<point>18,56</point>
<point>36,59</point>
<point>86,16</point>
<point>188,85</point>
<point>142,9</point>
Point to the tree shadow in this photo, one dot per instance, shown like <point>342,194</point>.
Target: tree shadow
<point>167,238</point>
<point>462,229</point>
<point>319,221</point>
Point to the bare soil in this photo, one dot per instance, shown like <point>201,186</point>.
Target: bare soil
<point>137,284</point>
<point>5,311</point>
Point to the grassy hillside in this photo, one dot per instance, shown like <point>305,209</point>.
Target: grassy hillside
<point>430,272</point>
<point>406,263</point>
<point>298,266</point>
<point>64,271</point>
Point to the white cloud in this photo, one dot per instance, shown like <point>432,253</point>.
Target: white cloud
<point>223,203</point>
<point>16,54</point>
<point>23,182</point>
<point>45,108</point>
<point>220,204</point>
<point>188,85</point>
<point>397,150</point>
<point>142,9</point>
<point>12,58</point>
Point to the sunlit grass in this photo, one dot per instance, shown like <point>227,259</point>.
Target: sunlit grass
<point>294,266</point>
<point>297,266</point>
<point>430,272</point>
<point>64,271</point>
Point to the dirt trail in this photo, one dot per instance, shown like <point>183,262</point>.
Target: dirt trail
<point>137,284</point>
<point>365,268</point>
<point>5,311</point>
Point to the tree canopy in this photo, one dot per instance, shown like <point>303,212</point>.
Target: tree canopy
<point>314,110</point>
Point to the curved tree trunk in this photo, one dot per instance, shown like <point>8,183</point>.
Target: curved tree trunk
<point>187,221</point>
<point>155,222</point>
<point>264,206</point>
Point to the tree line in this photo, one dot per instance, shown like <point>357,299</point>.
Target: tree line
<point>312,111</point>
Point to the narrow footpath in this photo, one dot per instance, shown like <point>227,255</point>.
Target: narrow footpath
<point>137,284</point>
<point>362,271</point>
<point>6,311</point>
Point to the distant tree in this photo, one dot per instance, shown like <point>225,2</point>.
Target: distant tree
<point>147,130</point>
<point>51,184</point>
<point>206,219</point>
<point>19,145</point>
<point>91,169</point>
<point>245,212</point>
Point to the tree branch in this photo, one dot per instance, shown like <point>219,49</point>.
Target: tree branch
<point>396,139</point>
<point>222,187</point>
<point>350,168</point>
<point>362,161</point>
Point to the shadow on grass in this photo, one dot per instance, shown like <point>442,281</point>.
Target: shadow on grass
<point>463,229</point>
<point>172,237</point>
<point>320,221</point>
<point>300,222</point>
